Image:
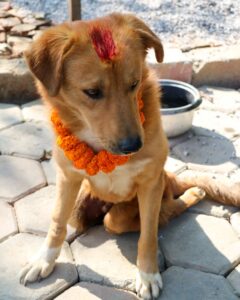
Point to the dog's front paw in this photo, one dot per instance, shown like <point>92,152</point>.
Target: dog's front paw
<point>148,285</point>
<point>40,266</point>
<point>35,271</point>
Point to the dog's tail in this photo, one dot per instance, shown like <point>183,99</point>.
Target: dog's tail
<point>219,188</point>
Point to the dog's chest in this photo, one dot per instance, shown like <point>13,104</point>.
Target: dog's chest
<point>121,181</point>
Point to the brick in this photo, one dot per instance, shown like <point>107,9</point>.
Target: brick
<point>22,29</point>
<point>175,65</point>
<point>216,66</point>
<point>8,221</point>
<point>15,252</point>
<point>187,284</point>
<point>5,49</point>
<point>234,279</point>
<point>49,168</point>
<point>35,142</point>
<point>16,82</point>
<point>107,259</point>
<point>16,177</point>
<point>200,242</point>
<point>91,291</point>
<point>9,115</point>
<point>8,23</point>
<point>220,99</point>
<point>208,153</point>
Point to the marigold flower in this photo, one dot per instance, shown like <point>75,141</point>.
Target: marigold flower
<point>82,155</point>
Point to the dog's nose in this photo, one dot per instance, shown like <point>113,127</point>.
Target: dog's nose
<point>130,144</point>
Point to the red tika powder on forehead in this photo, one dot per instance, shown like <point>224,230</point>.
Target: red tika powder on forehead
<point>103,43</point>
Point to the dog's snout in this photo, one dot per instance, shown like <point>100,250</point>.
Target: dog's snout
<point>130,144</point>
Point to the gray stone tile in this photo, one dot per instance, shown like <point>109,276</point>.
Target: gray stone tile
<point>19,177</point>
<point>35,111</point>
<point>91,291</point>
<point>234,279</point>
<point>31,140</point>
<point>35,210</point>
<point>211,208</point>
<point>202,153</point>
<point>15,253</point>
<point>107,259</point>
<point>9,115</point>
<point>174,165</point>
<point>220,123</point>
<point>235,222</point>
<point>187,284</point>
<point>220,99</point>
<point>8,221</point>
<point>200,242</point>
<point>49,167</point>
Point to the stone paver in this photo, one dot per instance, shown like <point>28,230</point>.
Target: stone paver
<point>228,128</point>
<point>187,284</point>
<point>200,242</point>
<point>211,208</point>
<point>91,291</point>
<point>107,259</point>
<point>34,140</point>
<point>34,111</point>
<point>14,254</point>
<point>34,211</point>
<point>235,222</point>
<point>19,177</point>
<point>220,99</point>
<point>49,167</point>
<point>174,165</point>
<point>8,221</point>
<point>234,279</point>
<point>9,115</point>
<point>200,154</point>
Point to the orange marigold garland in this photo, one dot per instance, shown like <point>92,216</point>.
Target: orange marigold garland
<point>82,155</point>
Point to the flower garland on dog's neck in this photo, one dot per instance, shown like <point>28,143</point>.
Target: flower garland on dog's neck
<point>82,156</point>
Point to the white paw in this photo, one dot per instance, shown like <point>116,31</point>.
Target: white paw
<point>40,266</point>
<point>148,285</point>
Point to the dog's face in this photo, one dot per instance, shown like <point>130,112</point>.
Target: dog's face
<point>96,69</point>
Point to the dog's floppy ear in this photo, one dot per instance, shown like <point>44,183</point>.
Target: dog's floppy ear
<point>148,37</point>
<point>46,55</point>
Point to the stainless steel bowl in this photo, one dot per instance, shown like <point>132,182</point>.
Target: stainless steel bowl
<point>179,100</point>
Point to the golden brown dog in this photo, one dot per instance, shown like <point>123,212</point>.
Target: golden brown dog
<point>92,73</point>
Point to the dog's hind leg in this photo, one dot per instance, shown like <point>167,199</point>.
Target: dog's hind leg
<point>88,210</point>
<point>123,217</point>
<point>174,207</point>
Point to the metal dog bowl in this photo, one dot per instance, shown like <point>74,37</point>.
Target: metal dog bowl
<point>179,100</point>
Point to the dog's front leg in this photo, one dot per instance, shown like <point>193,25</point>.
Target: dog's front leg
<point>42,264</point>
<point>148,281</point>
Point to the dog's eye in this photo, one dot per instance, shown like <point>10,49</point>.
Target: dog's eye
<point>94,93</point>
<point>134,84</point>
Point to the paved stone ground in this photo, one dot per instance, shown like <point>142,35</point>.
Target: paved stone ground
<point>199,252</point>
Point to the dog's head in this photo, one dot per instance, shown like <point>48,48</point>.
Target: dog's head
<point>93,71</point>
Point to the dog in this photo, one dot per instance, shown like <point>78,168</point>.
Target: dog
<point>93,74</point>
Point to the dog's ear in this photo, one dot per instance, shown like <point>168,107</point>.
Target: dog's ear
<point>46,55</point>
<point>148,37</point>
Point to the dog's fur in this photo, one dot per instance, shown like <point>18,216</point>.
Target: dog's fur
<point>65,62</point>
